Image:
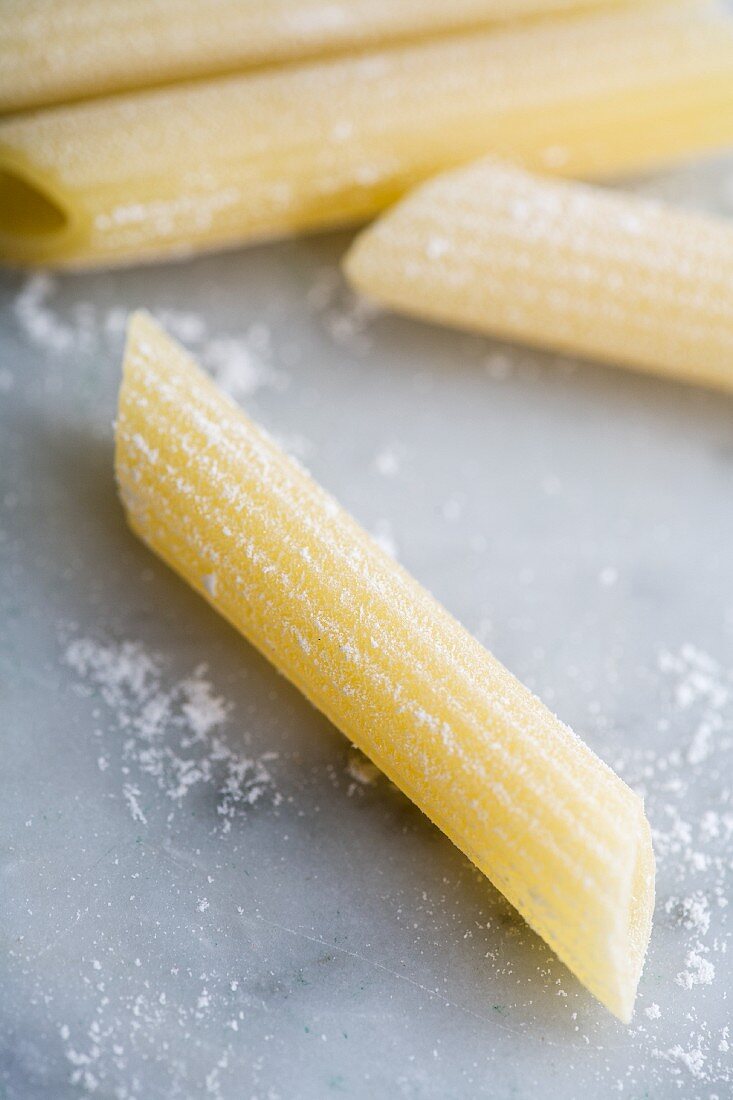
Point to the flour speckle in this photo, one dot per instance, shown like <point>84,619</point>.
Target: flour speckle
<point>241,364</point>
<point>238,369</point>
<point>693,859</point>
<point>346,316</point>
<point>38,321</point>
<point>698,970</point>
<point>172,731</point>
<point>387,461</point>
<point>691,912</point>
<point>131,794</point>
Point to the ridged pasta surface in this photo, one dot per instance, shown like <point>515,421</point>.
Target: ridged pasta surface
<point>614,277</point>
<point>58,50</point>
<point>551,825</point>
<point>221,162</point>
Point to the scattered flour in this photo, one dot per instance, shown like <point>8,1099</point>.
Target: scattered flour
<point>691,912</point>
<point>238,369</point>
<point>693,855</point>
<point>692,1059</point>
<point>345,315</point>
<point>38,321</point>
<point>241,365</point>
<point>172,739</point>
<point>131,794</point>
<point>171,731</point>
<point>387,461</point>
<point>699,679</point>
<point>699,970</point>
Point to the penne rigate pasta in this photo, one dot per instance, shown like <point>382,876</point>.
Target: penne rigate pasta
<point>257,156</point>
<point>53,51</point>
<point>495,249</point>
<point>553,827</point>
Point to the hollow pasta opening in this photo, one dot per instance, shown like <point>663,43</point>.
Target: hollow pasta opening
<point>26,210</point>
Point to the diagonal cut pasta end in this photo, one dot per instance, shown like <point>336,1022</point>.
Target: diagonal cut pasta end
<point>613,973</point>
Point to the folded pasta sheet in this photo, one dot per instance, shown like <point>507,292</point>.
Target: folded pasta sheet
<point>554,828</point>
<point>256,156</point>
<point>597,273</point>
<point>53,51</point>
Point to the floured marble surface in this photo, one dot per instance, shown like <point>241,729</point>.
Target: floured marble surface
<point>206,891</point>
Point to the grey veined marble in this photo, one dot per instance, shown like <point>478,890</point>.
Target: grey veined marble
<point>205,890</point>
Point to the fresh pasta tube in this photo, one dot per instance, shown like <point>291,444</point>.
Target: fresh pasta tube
<point>261,155</point>
<point>553,827</point>
<point>53,51</point>
<point>614,277</point>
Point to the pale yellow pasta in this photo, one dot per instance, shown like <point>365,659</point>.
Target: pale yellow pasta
<point>610,276</point>
<point>242,158</point>
<point>554,828</point>
<point>53,51</point>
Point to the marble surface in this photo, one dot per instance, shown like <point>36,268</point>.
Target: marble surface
<point>205,890</point>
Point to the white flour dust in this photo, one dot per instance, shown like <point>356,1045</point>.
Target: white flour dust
<point>346,316</point>
<point>694,866</point>
<point>241,364</point>
<point>172,731</point>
